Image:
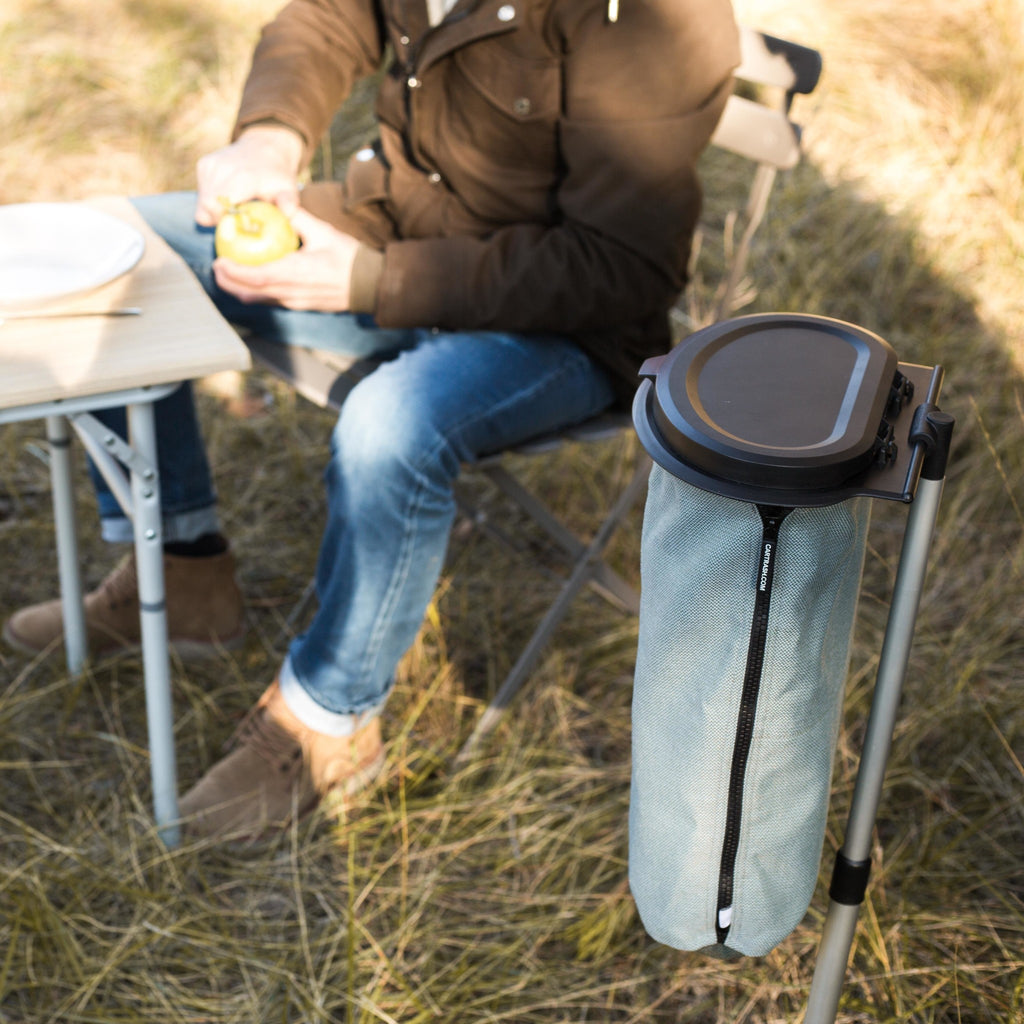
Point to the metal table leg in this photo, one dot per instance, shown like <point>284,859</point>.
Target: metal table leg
<point>145,489</point>
<point>75,646</point>
<point>139,497</point>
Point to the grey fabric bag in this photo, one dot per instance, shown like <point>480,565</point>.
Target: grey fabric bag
<point>745,624</point>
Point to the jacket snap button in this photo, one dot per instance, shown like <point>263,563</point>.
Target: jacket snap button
<point>521,105</point>
<point>506,12</point>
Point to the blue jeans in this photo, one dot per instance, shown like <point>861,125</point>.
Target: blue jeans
<point>440,399</point>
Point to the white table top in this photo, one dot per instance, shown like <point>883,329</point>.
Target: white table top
<point>178,336</point>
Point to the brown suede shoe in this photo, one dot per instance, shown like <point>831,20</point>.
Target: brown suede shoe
<point>204,611</point>
<point>278,771</point>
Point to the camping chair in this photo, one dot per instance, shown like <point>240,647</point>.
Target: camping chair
<point>755,125</point>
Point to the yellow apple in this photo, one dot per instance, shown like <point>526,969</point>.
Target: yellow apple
<point>254,232</point>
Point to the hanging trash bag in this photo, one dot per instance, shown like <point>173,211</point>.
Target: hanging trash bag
<point>745,620</point>
<point>766,432</point>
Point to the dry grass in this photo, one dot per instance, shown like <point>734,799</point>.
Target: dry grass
<point>498,893</point>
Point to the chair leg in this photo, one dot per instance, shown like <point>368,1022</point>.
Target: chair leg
<point>608,583</point>
<point>586,567</point>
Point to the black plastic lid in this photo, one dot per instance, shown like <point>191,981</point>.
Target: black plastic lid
<point>787,404</point>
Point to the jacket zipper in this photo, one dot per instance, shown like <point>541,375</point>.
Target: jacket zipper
<point>771,522</point>
<point>409,69</point>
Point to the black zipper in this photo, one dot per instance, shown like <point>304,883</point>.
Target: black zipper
<point>771,521</point>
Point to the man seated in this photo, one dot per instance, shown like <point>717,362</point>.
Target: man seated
<point>509,249</point>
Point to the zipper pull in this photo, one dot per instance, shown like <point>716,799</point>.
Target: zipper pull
<point>771,522</point>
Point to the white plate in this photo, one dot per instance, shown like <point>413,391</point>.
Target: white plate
<point>53,251</point>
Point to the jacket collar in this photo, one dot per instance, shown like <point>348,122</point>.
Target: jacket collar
<point>468,21</point>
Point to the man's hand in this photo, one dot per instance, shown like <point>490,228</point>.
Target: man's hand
<point>316,277</point>
<point>262,163</point>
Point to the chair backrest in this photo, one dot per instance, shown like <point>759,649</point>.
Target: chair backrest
<point>756,125</point>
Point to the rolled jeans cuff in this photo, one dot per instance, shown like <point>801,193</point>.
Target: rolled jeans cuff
<point>181,526</point>
<point>315,716</point>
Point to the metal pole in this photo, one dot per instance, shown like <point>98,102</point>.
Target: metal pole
<point>75,641</point>
<point>145,487</point>
<point>853,861</point>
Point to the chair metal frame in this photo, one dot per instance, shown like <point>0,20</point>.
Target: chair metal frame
<point>757,129</point>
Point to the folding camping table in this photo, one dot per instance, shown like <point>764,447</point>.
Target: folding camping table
<point>62,368</point>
